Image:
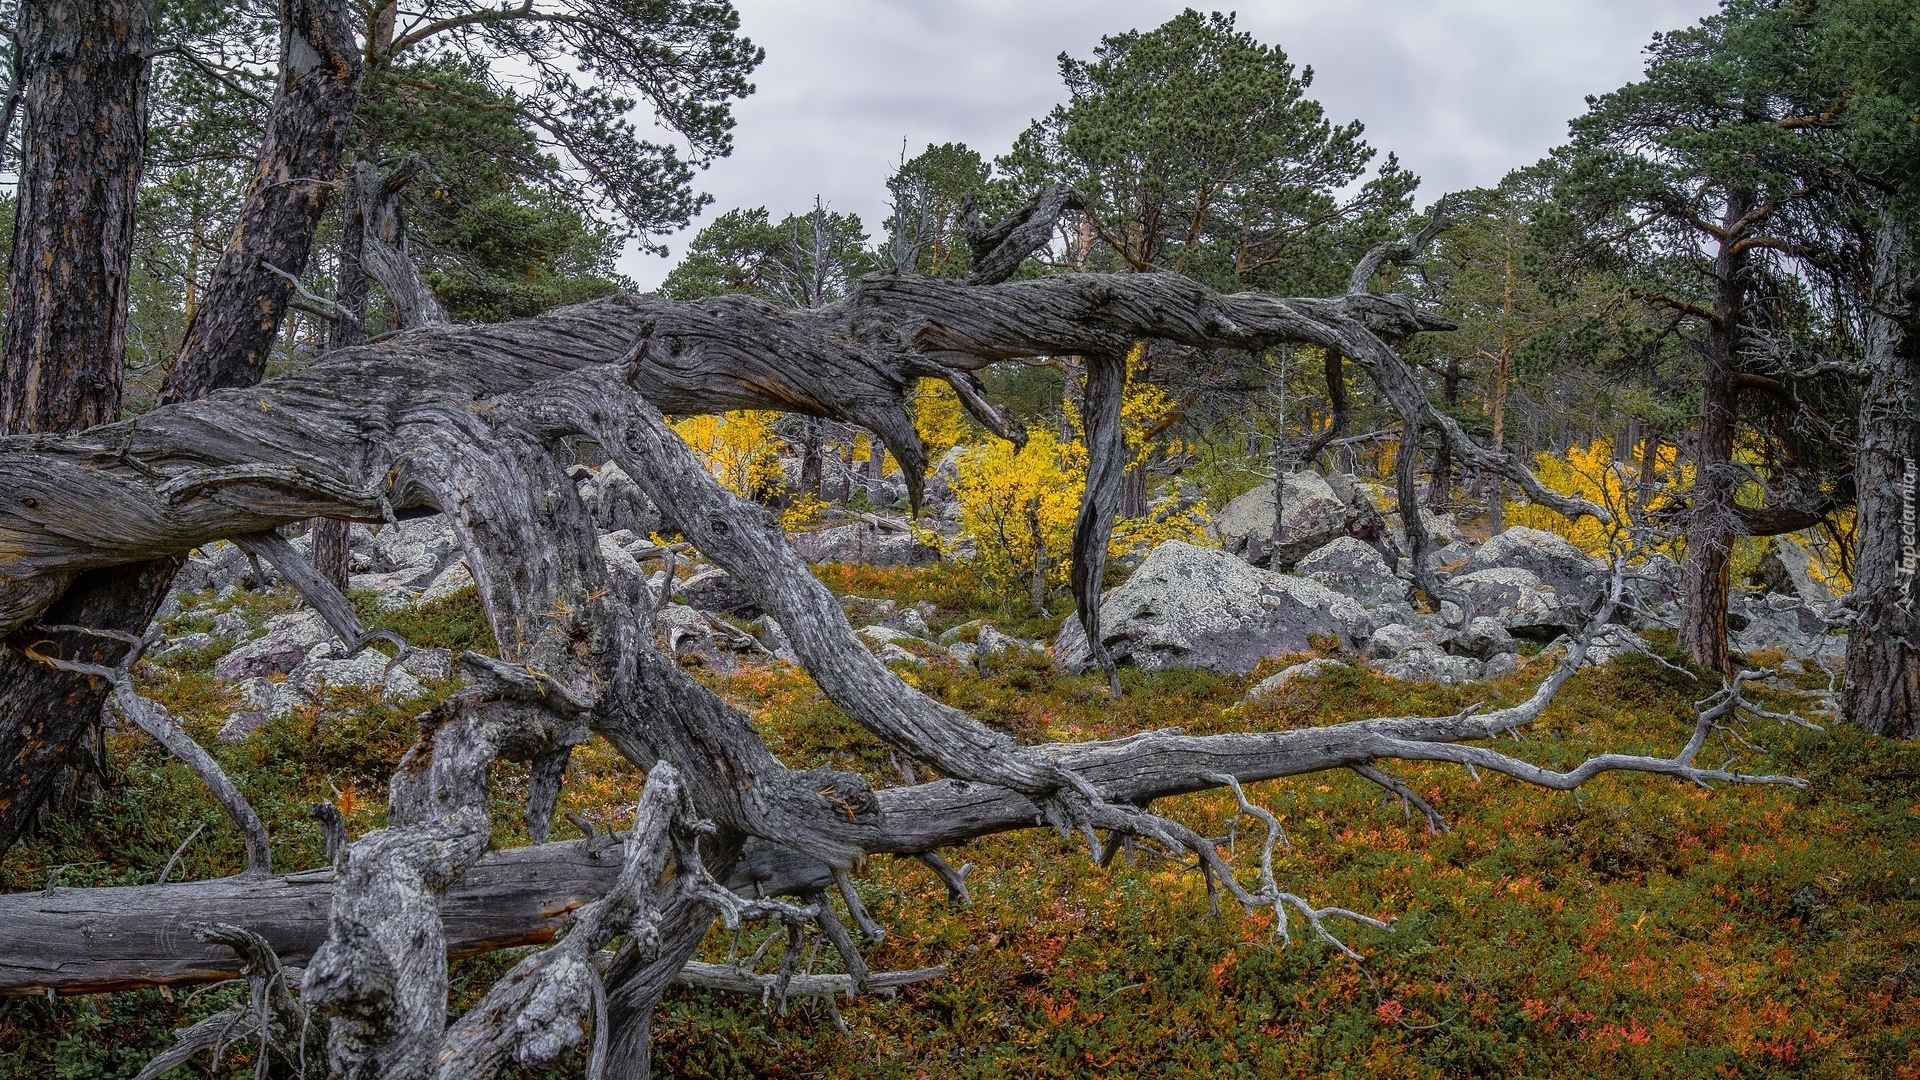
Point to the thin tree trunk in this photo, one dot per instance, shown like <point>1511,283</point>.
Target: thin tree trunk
<point>1882,690</point>
<point>845,453</point>
<point>876,469</point>
<point>1133,492</point>
<point>1649,462</point>
<point>82,145</point>
<point>810,457</point>
<point>1502,378</point>
<point>1440,487</point>
<point>43,712</point>
<point>1710,533</point>
<point>1037,581</point>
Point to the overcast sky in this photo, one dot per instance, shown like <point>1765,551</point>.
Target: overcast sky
<point>1462,90</point>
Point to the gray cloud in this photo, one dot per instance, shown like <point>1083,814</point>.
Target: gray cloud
<point>1462,90</point>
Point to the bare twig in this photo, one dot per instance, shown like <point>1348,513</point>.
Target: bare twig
<point>153,718</point>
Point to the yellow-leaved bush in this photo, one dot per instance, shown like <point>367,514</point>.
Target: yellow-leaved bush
<point>940,419</point>
<point>740,449</point>
<point>1019,507</point>
<point>1592,474</point>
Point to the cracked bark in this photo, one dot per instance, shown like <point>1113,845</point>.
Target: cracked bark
<point>83,77</point>
<point>1882,688</point>
<point>44,712</point>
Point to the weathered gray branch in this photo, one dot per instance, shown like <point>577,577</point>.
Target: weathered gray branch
<point>152,717</point>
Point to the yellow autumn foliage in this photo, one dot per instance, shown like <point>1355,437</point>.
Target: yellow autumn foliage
<point>1593,474</point>
<point>1145,411</point>
<point>740,449</point>
<point>1018,507</point>
<point>940,419</point>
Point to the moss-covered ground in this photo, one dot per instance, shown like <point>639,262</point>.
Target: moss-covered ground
<point>1639,927</point>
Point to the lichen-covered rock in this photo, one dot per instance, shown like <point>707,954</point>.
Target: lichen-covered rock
<point>1313,514</point>
<point>1786,623</point>
<point>186,643</point>
<point>993,644</point>
<point>878,636</point>
<point>1610,643</point>
<point>1304,670</point>
<point>1395,638</point>
<point>1451,557</point>
<point>1428,663</point>
<point>862,610</point>
<point>1500,664</point>
<point>285,645</point>
<point>628,572</point>
<point>1787,568</point>
<point>253,700</point>
<point>910,620</point>
<point>1549,557</point>
<point>1441,528</point>
<point>259,700</point>
<point>864,544</point>
<point>773,637</point>
<point>1353,568</point>
<point>1483,638</point>
<point>1519,601</point>
<point>428,664</point>
<point>894,653</point>
<point>415,544</point>
<point>682,631</point>
<point>939,491</point>
<point>409,587</point>
<point>1201,607</point>
<point>329,667</point>
<point>714,589</point>
<point>615,501</point>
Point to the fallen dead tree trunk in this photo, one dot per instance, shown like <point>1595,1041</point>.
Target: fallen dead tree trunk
<point>79,941</point>
<point>89,941</point>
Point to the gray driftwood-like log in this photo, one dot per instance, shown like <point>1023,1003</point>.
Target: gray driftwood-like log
<point>89,940</point>
<point>472,423</point>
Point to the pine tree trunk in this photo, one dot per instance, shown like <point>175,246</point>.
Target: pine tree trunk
<point>1710,533</point>
<point>1133,492</point>
<point>43,713</point>
<point>82,144</point>
<point>811,453</point>
<point>1882,690</point>
<point>876,470</point>
<point>1440,487</point>
<point>232,333</point>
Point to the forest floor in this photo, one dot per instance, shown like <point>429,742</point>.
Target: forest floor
<point>1638,928</point>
